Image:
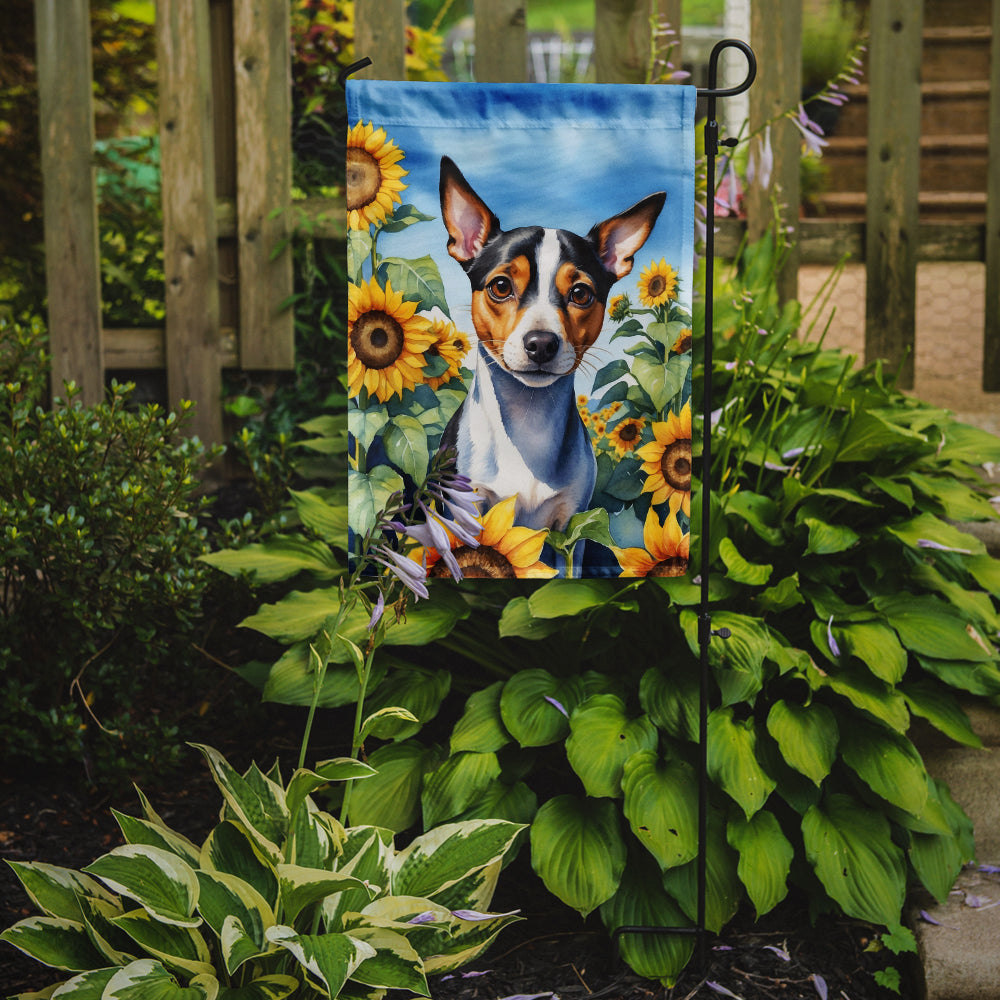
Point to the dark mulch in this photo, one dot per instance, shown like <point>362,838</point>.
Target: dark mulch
<point>551,951</point>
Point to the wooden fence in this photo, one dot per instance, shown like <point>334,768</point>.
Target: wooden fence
<point>226,161</point>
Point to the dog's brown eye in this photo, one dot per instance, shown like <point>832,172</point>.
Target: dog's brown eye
<point>500,288</point>
<point>581,295</point>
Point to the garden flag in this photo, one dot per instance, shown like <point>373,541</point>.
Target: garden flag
<point>520,264</point>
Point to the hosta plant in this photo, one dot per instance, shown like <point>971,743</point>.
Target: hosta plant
<point>279,900</point>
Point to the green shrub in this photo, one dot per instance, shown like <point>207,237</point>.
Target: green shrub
<point>101,584</point>
<point>280,899</point>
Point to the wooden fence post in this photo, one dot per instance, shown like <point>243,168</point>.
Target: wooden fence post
<point>991,332</point>
<point>380,34</point>
<point>501,41</point>
<point>190,251</point>
<point>262,61</point>
<point>893,183</point>
<point>776,35</point>
<point>623,38</point>
<point>72,255</point>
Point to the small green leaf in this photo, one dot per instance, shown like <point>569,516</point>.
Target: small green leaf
<point>481,727</point>
<point>741,571</point>
<point>732,761</point>
<point>765,858</point>
<point>888,763</point>
<point>807,736</point>
<point>535,706</point>
<point>391,798</point>
<point>368,494</point>
<point>419,281</point>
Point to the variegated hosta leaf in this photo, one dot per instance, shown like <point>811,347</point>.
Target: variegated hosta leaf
<point>177,947</point>
<point>456,784</point>
<point>441,857</point>
<point>467,941</point>
<point>765,858</point>
<point>850,847</point>
<point>661,805</point>
<point>723,889</point>
<point>149,980</point>
<point>578,851</point>
<point>300,887</point>
<point>476,890</point>
<point>328,959</point>
<point>116,946</point>
<point>602,737</point>
<point>56,891</point>
<point>304,782</point>
<point>256,801</point>
<point>535,706</point>
<point>888,763</point>
<point>315,838</point>
<point>87,986</point>
<point>230,849</point>
<point>642,902</point>
<point>395,964</point>
<point>807,736</point>
<point>141,831</point>
<point>275,987</point>
<point>225,897</point>
<point>481,727</point>
<point>732,760</point>
<point>367,853</point>
<point>158,880</point>
<point>54,941</point>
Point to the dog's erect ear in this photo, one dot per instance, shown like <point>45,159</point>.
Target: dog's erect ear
<point>620,238</point>
<point>468,221</point>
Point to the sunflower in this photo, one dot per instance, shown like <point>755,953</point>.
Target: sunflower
<point>683,343</point>
<point>657,284</point>
<point>373,175</point>
<point>618,307</point>
<point>626,435</point>
<point>504,551</point>
<point>385,341</point>
<point>450,344</point>
<point>667,549</point>
<point>667,459</point>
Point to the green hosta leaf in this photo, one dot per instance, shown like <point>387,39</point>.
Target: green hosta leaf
<point>297,616</point>
<point>732,760</point>
<point>850,847</point>
<point>641,901</point>
<point>517,620</point>
<point>327,520</point>
<point>559,598</point>
<point>418,690</point>
<point>54,941</point>
<point>391,798</point>
<point>481,728</point>
<point>807,736</point>
<point>56,891</point>
<point>671,700</point>
<point>765,858</point>
<point>301,887</point>
<point>515,803</point>
<point>827,539</point>
<point>928,528</point>
<point>98,914</point>
<point>602,738</point>
<point>279,558</point>
<point>142,831</point>
<point>230,849</point>
<point>368,494</point>
<point>180,948</point>
<point>275,987</point>
<point>866,692</point>
<point>738,661</point>
<point>976,678</point>
<point>985,570</point>
<point>164,885</point>
<point>147,979</point>
<point>783,595</point>
<point>395,964</point>
<point>366,855</point>
<point>958,502</point>
<point>456,784</point>
<point>760,512</point>
<point>261,809</point>
<point>468,940</point>
<point>876,646</point>
<point>932,628</point>
<point>527,711</point>
<point>419,280</point>
<point>661,799</point>
<point>870,436</point>
<point>440,858</point>
<point>752,574</point>
<point>330,959</point>
<point>405,442</point>
<point>888,763</point>
<point>578,851</point>
<point>937,859</point>
<point>723,889</point>
<point>941,709</point>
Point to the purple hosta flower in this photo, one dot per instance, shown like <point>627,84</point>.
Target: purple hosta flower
<point>465,975</point>
<point>792,453</point>
<point>408,571</point>
<point>728,196</point>
<point>760,166</point>
<point>928,543</point>
<point>427,917</point>
<point>531,996</point>
<point>475,915</point>
<point>719,988</point>
<point>990,869</point>
<point>377,611</point>
<point>558,705</point>
<point>811,132</point>
<point>432,535</point>
<point>780,952</point>
<point>820,983</point>
<point>927,918</point>
<point>831,642</point>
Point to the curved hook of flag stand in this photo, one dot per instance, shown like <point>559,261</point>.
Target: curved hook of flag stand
<point>705,631</point>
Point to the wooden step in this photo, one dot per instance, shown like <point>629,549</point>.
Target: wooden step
<point>947,106</point>
<point>956,53</point>
<point>957,206</point>
<point>947,162</point>
<point>939,13</point>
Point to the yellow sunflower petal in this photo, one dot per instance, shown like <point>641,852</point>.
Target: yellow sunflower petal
<point>522,546</point>
<point>497,521</point>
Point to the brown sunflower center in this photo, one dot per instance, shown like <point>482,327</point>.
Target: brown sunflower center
<point>674,566</point>
<point>628,433</point>
<point>657,286</point>
<point>683,344</point>
<point>377,339</point>
<point>364,178</point>
<point>676,464</point>
<point>484,563</point>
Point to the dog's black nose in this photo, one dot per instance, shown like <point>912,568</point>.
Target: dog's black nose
<point>541,345</point>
